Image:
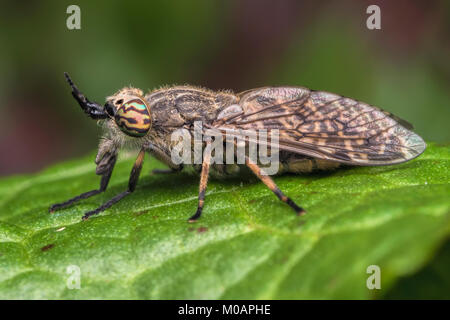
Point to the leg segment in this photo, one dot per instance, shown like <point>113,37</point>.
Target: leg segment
<point>272,186</point>
<point>203,182</point>
<point>103,185</point>
<point>163,156</point>
<point>132,182</point>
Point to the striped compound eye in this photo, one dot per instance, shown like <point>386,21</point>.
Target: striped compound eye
<point>133,118</point>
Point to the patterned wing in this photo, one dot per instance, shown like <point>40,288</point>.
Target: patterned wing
<point>324,125</point>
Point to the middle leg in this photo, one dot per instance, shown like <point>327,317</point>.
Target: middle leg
<point>203,182</point>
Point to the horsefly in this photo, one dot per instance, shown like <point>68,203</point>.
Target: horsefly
<point>314,130</point>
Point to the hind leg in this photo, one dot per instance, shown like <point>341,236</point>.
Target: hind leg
<point>272,186</point>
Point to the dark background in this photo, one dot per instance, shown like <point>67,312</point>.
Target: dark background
<point>403,68</point>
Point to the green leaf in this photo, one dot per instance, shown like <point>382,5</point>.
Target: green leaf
<point>432,282</point>
<point>247,245</point>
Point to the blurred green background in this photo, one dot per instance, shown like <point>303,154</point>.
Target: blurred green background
<point>403,68</point>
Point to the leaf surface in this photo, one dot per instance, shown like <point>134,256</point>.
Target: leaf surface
<point>247,245</point>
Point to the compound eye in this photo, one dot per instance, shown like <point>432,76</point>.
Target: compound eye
<point>133,118</point>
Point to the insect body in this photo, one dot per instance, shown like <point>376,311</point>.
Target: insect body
<point>317,130</point>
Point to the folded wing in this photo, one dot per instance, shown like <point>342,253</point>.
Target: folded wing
<point>325,125</point>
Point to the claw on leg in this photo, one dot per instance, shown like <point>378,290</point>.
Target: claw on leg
<point>106,205</point>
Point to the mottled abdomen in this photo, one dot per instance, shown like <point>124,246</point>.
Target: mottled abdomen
<point>133,118</point>
<point>297,163</point>
<point>288,162</point>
